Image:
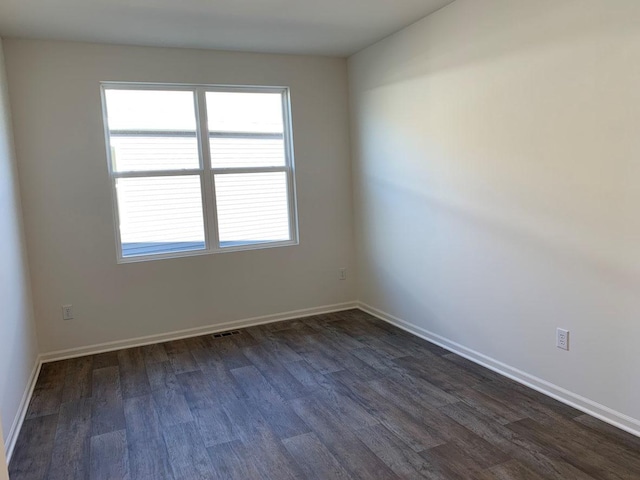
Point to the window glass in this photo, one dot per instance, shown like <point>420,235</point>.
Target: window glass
<point>252,208</point>
<point>171,198</point>
<point>160,215</point>
<point>152,130</point>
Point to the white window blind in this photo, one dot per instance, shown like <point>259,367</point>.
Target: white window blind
<point>199,169</point>
<point>252,208</point>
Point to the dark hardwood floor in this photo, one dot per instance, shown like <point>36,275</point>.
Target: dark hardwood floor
<point>336,396</point>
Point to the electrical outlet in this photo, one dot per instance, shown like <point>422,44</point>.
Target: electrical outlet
<point>342,274</point>
<point>67,312</point>
<point>562,338</point>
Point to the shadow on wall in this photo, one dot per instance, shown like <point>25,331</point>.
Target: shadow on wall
<point>569,256</point>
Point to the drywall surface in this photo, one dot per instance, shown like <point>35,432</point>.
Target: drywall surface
<point>4,470</point>
<point>17,329</point>
<point>496,180</point>
<point>66,191</point>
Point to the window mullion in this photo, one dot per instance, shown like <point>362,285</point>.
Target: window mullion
<point>207,177</point>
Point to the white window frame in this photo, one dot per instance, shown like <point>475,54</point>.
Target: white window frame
<point>204,171</point>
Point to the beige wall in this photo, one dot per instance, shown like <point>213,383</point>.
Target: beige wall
<point>4,471</point>
<point>67,205</point>
<point>17,330</point>
<point>497,173</point>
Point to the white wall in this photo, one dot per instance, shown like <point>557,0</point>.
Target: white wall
<point>17,330</point>
<point>497,173</point>
<point>67,205</point>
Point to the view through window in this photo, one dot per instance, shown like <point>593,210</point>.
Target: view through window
<point>199,169</point>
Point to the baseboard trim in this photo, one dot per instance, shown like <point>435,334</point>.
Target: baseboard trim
<point>14,431</point>
<point>595,409</point>
<point>193,332</point>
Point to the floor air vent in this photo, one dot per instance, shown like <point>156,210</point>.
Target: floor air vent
<point>226,334</point>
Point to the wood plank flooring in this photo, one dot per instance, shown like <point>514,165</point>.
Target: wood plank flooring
<point>336,396</point>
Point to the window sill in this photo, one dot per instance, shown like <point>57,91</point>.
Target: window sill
<point>212,251</point>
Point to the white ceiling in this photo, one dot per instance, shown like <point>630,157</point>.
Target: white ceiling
<point>327,27</point>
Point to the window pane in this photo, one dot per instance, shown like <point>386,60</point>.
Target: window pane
<point>252,208</point>
<point>150,110</point>
<point>152,130</point>
<point>160,215</point>
<point>247,151</point>
<point>244,112</point>
<point>143,152</point>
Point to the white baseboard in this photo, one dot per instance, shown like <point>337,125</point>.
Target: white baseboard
<point>193,332</point>
<point>14,431</point>
<point>602,412</point>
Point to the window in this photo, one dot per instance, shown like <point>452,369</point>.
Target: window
<point>199,169</point>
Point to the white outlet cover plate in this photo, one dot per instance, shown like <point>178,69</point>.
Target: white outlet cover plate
<point>67,312</point>
<point>562,338</point>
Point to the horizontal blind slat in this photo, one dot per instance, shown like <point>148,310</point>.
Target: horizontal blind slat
<point>160,214</point>
<point>252,207</point>
<point>240,152</point>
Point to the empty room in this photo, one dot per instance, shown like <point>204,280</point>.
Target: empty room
<point>297,239</point>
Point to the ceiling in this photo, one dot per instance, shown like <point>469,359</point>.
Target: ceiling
<point>325,27</point>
